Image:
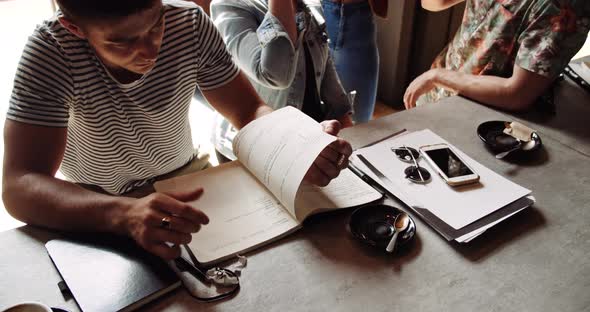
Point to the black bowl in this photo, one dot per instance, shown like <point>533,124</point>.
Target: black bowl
<point>373,225</point>
<point>492,134</point>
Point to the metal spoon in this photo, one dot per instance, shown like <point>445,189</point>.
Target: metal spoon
<point>503,154</point>
<point>401,223</point>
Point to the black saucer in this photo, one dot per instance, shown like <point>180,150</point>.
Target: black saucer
<point>491,133</point>
<point>373,225</point>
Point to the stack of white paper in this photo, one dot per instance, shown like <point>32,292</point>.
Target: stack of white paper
<point>454,210</point>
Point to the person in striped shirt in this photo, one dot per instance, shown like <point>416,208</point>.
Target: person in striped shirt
<point>102,92</point>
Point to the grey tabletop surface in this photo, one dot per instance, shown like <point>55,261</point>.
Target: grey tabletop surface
<point>536,260</point>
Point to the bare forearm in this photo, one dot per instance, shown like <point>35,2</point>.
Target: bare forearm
<point>490,90</point>
<point>46,201</point>
<point>262,110</point>
<point>237,101</point>
<point>241,120</point>
<point>284,11</point>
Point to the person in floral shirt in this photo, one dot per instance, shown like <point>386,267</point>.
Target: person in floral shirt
<point>506,53</point>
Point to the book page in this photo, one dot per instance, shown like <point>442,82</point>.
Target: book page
<point>279,148</point>
<point>347,190</point>
<point>242,213</point>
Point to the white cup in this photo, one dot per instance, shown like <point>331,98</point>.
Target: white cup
<point>29,307</point>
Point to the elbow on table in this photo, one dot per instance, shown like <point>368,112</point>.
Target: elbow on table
<point>9,200</point>
<point>518,100</point>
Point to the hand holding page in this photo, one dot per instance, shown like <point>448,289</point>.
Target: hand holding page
<point>279,148</point>
<point>347,190</point>
<point>261,196</point>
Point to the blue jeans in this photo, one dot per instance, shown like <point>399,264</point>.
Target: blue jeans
<point>353,44</point>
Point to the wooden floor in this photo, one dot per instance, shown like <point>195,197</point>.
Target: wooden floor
<point>382,109</point>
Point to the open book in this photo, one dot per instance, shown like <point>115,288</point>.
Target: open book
<point>262,196</point>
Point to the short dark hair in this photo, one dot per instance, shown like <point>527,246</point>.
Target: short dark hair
<point>92,10</point>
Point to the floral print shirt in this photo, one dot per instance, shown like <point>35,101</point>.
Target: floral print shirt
<point>540,36</point>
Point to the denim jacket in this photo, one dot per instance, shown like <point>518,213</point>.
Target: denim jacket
<point>276,67</point>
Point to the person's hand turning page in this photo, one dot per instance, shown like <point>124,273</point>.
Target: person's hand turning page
<point>262,147</point>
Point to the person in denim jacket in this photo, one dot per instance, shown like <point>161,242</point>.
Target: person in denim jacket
<point>282,46</point>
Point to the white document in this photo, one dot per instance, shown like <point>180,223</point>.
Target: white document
<point>279,148</point>
<point>470,236</point>
<point>456,206</point>
<point>347,190</point>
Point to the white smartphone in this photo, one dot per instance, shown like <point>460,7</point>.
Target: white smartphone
<point>448,164</point>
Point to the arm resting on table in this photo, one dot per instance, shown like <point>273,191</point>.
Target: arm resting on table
<point>32,194</point>
<point>516,93</point>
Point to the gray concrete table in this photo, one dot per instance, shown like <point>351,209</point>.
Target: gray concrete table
<point>536,260</point>
<point>571,123</point>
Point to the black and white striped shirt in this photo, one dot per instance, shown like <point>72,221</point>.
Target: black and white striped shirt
<point>119,136</point>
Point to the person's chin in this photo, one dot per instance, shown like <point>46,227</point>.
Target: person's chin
<point>143,68</point>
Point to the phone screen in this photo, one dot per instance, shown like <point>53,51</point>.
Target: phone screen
<point>448,162</point>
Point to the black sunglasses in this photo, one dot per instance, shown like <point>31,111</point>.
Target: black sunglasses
<point>414,173</point>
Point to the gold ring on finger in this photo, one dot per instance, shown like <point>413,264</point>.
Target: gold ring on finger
<point>341,160</point>
<point>165,223</point>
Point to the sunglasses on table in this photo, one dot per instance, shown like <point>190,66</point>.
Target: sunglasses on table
<point>414,172</point>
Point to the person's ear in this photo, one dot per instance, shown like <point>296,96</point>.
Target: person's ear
<point>71,27</point>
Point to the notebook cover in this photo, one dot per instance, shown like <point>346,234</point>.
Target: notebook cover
<point>107,273</point>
